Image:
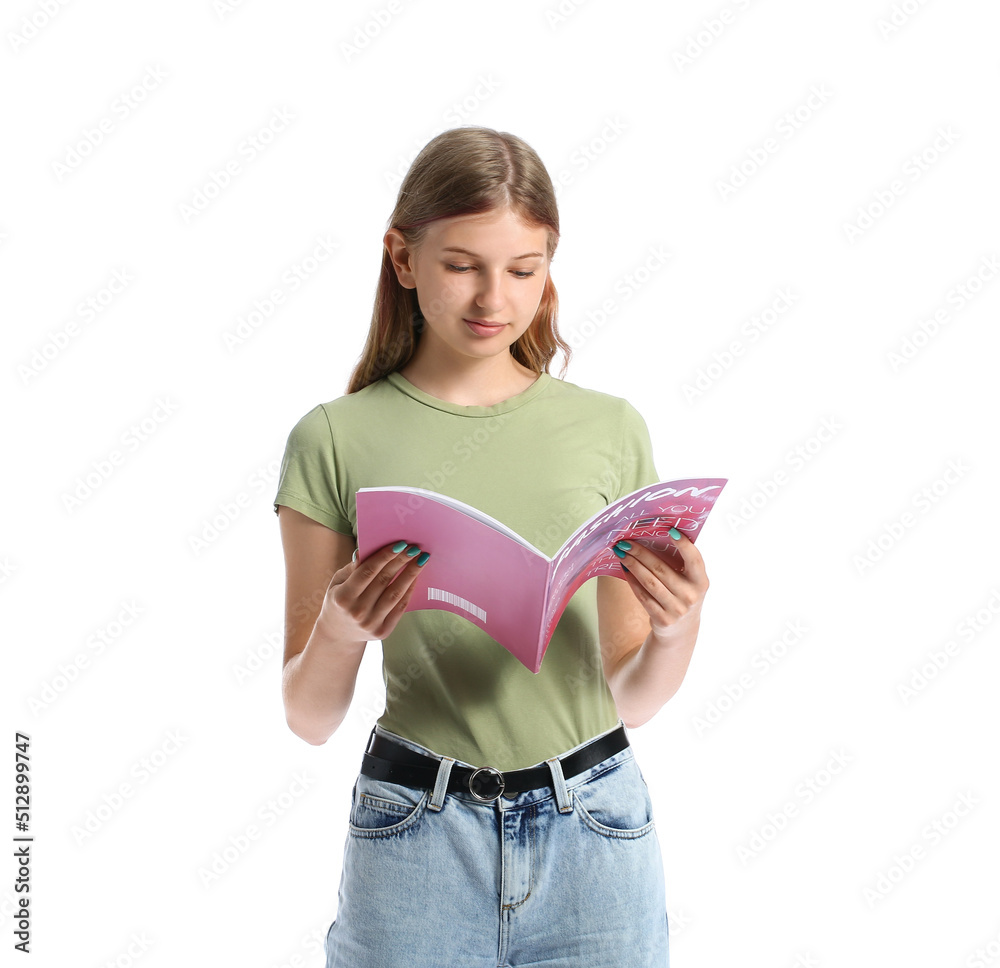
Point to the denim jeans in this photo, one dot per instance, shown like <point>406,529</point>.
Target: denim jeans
<point>567,875</point>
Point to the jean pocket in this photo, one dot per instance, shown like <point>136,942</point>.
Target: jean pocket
<point>616,803</point>
<point>383,809</point>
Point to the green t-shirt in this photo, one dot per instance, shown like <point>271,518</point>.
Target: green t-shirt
<point>542,462</point>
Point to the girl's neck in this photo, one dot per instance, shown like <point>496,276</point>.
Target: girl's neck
<point>479,383</point>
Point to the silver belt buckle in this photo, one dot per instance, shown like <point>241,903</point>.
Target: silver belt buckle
<point>498,779</point>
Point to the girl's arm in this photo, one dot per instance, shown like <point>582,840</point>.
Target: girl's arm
<point>648,625</point>
<point>319,673</point>
<point>333,607</point>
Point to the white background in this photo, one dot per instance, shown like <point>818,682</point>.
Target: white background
<point>870,554</point>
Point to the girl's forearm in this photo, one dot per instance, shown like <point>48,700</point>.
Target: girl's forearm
<point>648,677</point>
<point>318,684</point>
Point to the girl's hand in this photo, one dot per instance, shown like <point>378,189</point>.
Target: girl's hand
<point>365,599</point>
<point>670,589</point>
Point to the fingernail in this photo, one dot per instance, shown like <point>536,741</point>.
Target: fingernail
<point>674,533</point>
<point>618,551</point>
<point>412,550</point>
<point>398,546</point>
<point>625,569</point>
<point>422,560</point>
<point>624,544</point>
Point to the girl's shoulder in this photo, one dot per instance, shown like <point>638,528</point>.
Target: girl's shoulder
<point>607,413</point>
<point>578,395</point>
<point>361,399</point>
<point>319,419</point>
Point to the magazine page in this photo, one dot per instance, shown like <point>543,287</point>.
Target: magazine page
<point>644,516</point>
<point>474,570</point>
<point>421,493</point>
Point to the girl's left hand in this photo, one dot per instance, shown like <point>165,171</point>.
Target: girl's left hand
<point>670,589</point>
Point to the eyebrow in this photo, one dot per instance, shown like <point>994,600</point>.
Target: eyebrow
<point>456,248</point>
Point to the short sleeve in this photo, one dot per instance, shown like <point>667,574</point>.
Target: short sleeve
<point>307,480</point>
<point>636,459</point>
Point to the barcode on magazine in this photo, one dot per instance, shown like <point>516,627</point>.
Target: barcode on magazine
<point>440,595</point>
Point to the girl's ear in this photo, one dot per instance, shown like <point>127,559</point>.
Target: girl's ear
<point>401,257</point>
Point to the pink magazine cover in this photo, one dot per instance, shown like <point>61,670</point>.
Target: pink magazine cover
<point>520,597</point>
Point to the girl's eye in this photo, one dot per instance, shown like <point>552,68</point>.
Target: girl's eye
<point>520,273</point>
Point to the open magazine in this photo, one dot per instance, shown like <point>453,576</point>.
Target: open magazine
<point>487,573</point>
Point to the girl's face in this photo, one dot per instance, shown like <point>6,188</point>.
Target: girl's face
<point>479,280</point>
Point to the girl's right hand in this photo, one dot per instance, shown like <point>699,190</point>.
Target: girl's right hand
<point>365,599</point>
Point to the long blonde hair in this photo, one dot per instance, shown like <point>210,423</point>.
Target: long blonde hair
<point>463,171</point>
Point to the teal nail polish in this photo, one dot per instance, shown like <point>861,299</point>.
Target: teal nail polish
<point>624,544</point>
<point>412,550</point>
<point>398,546</point>
<point>674,533</point>
<point>625,569</point>
<point>618,551</point>
<point>422,560</point>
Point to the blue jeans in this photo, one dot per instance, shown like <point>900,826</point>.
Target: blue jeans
<point>567,875</point>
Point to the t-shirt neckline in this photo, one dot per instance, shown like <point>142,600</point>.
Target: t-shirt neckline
<point>396,379</point>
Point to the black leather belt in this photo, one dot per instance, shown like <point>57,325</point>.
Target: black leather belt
<point>385,759</point>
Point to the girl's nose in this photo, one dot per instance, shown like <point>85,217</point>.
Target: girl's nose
<point>490,295</point>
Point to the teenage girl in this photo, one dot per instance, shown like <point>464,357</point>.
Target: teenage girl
<point>499,817</point>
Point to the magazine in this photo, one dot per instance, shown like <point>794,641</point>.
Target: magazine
<point>488,574</point>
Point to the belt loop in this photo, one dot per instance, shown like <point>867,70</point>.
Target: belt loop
<point>559,785</point>
<point>441,785</point>
<point>371,736</point>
